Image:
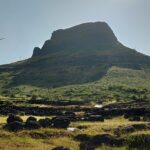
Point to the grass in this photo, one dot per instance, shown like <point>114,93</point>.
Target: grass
<point>48,138</point>
<point>121,84</point>
<point>25,143</point>
<point>110,148</point>
<point>94,128</point>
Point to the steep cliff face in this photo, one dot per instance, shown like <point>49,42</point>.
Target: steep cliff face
<point>83,37</point>
<point>75,55</point>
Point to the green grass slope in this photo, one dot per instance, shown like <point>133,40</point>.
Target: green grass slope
<point>118,84</point>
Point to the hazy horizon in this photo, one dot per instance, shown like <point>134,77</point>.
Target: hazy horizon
<point>27,24</point>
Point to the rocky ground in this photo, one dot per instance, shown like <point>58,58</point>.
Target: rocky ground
<point>64,125</point>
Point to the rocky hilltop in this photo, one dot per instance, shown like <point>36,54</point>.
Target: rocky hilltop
<point>87,36</point>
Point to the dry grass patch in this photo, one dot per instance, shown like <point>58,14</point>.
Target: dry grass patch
<point>94,128</point>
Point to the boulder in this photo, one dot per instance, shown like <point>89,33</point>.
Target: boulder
<point>45,122</point>
<point>31,118</point>
<point>14,126</point>
<point>12,118</point>
<point>32,125</point>
<point>94,118</point>
<point>60,122</point>
<point>107,139</point>
<point>83,137</point>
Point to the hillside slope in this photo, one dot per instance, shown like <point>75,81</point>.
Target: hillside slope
<point>76,55</point>
<point>117,84</point>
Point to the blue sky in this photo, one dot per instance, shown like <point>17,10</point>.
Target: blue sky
<point>28,23</point>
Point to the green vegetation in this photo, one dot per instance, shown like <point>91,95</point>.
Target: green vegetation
<point>120,83</point>
<point>87,66</point>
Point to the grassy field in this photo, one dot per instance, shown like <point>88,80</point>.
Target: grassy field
<point>48,138</point>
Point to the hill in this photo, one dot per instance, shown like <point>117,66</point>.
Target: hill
<point>77,55</point>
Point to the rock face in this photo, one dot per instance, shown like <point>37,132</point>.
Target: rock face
<point>36,51</point>
<point>82,37</point>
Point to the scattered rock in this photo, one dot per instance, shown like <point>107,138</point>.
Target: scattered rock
<point>60,148</point>
<point>92,142</point>
<point>14,126</point>
<point>12,118</point>
<point>71,129</point>
<point>124,130</point>
<point>107,139</point>
<point>70,115</point>
<point>45,122</point>
<point>94,118</point>
<point>31,118</point>
<point>83,137</point>
<point>39,135</point>
<point>98,106</point>
<point>32,125</point>
<point>60,122</point>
